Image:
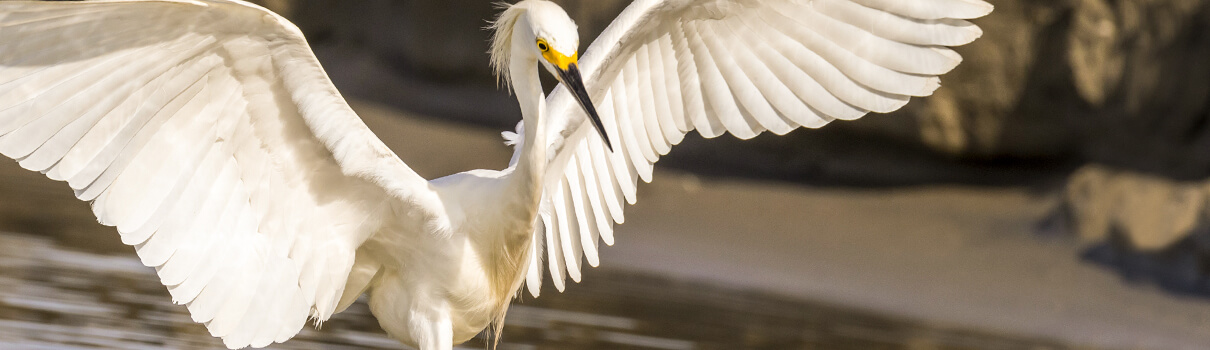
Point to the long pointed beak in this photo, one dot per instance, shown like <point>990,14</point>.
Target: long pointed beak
<point>571,78</point>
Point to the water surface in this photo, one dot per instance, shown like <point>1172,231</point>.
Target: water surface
<point>56,297</point>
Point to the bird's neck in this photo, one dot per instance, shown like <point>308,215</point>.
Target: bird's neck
<point>507,251</point>
<point>530,167</point>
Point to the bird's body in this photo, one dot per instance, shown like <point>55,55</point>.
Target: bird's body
<point>467,264</point>
<point>208,134</point>
<point>465,267</point>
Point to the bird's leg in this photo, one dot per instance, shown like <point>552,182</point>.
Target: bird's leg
<point>433,329</point>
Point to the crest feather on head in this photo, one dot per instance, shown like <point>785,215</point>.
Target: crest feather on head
<point>502,38</point>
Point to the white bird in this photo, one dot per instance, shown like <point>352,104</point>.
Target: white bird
<point>209,135</point>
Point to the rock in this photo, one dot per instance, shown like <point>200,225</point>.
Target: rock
<point>1147,227</point>
<point>1093,51</point>
<point>1139,66</point>
<point>1152,212</point>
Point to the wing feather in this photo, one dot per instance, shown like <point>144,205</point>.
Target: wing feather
<point>943,31</point>
<point>931,9</point>
<point>242,287</point>
<point>795,94</point>
<point>593,190</point>
<point>611,181</point>
<point>190,176</point>
<point>554,247</point>
<point>23,97</point>
<point>31,130</point>
<point>881,51</point>
<point>629,130</point>
<point>258,329</point>
<point>822,60</point>
<point>207,301</point>
<point>141,186</point>
<point>716,93</point>
<point>670,117</point>
<point>126,95</point>
<point>693,97</point>
<point>533,274</point>
<point>84,166</point>
<point>644,130</point>
<point>650,102</point>
<point>568,227</point>
<point>183,271</point>
<point>198,210</point>
<point>585,222</point>
<point>754,86</point>
<point>250,322</point>
<point>664,68</point>
<point>614,163</point>
<point>209,135</point>
<point>867,73</point>
<point>778,53</point>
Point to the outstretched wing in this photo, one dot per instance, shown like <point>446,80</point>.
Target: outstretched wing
<point>208,134</point>
<point>667,67</point>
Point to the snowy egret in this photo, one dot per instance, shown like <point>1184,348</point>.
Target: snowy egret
<point>207,133</point>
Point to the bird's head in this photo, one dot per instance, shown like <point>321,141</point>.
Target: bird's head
<point>555,41</point>
<point>539,30</point>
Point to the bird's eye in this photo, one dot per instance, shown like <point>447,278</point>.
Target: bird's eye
<point>542,46</point>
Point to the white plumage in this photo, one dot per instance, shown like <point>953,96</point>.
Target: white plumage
<point>209,135</point>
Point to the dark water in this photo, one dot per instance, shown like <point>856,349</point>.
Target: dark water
<point>53,297</point>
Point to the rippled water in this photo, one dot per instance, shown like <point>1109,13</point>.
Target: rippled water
<point>53,297</point>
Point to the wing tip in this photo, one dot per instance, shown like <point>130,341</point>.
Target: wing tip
<point>977,9</point>
<point>535,289</point>
<point>231,344</point>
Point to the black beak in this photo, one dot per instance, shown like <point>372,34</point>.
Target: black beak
<point>571,78</point>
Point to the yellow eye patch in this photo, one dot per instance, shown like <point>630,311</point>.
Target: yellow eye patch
<point>555,57</point>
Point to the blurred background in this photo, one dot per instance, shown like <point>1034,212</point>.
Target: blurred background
<point>1051,195</point>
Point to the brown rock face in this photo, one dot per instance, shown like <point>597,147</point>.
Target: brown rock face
<point>1141,66</point>
<point>1150,213</point>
